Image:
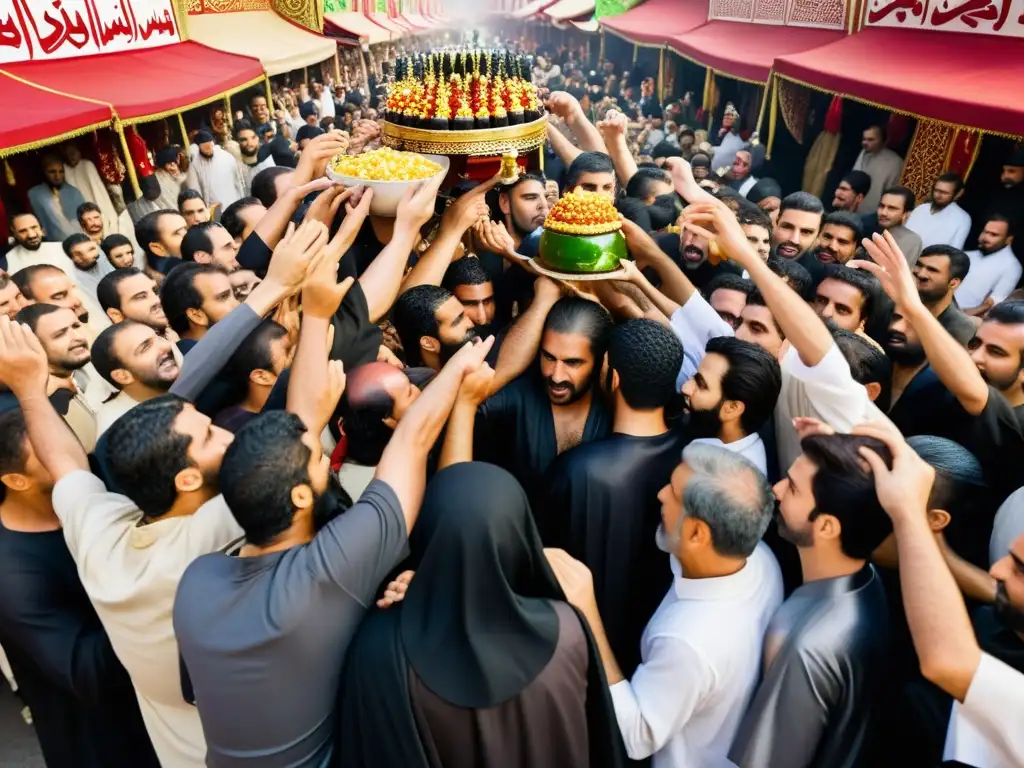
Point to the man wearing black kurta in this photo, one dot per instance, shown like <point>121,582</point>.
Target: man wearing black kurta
<point>601,503</point>
<point>83,705</point>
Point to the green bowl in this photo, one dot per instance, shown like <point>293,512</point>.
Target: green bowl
<point>581,253</point>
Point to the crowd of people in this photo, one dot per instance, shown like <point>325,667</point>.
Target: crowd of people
<point>752,501</point>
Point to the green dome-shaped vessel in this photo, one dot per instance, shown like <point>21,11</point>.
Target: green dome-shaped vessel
<point>581,254</point>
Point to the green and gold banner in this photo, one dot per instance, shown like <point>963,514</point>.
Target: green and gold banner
<point>613,7</point>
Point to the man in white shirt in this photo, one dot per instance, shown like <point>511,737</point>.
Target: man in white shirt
<point>984,729</point>
<point>131,550</point>
<point>880,163</point>
<point>213,172</point>
<point>994,270</point>
<point>82,174</point>
<point>30,247</point>
<point>701,651</point>
<point>942,222</point>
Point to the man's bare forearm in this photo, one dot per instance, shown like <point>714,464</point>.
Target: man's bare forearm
<point>383,278</point>
<point>433,262</point>
<point>54,442</point>
<point>458,438</point>
<point>309,371</point>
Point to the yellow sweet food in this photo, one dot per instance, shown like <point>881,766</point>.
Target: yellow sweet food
<point>583,213</point>
<point>385,164</point>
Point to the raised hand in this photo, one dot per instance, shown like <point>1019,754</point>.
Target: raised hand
<point>471,207</point>
<point>562,104</point>
<point>903,490</point>
<point>890,267</point>
<point>492,236</point>
<point>327,204</point>
<point>23,364</point>
<point>313,159</point>
<point>357,208</point>
<point>471,356</point>
<point>575,579</point>
<point>294,253</point>
<point>716,222</point>
<point>613,126</point>
<point>417,206</point>
<point>685,184</point>
<point>395,590</point>
<point>476,386</point>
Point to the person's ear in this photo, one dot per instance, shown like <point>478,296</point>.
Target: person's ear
<point>430,344</point>
<point>122,377</point>
<point>202,257</point>
<point>1009,240</point>
<point>157,249</point>
<point>15,481</point>
<point>302,496</point>
<point>731,410</point>
<point>115,315</point>
<point>262,377</point>
<point>955,283</point>
<point>874,389</point>
<point>197,317</point>
<point>700,533</point>
<point>938,519</point>
<point>390,422</point>
<point>860,327</point>
<point>504,203</point>
<point>827,527</point>
<point>188,480</point>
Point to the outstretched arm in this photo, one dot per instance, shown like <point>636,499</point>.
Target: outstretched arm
<point>568,108</point>
<point>523,339</point>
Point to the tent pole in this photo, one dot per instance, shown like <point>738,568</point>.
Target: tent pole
<point>366,77</point>
<point>128,163</point>
<point>661,75</point>
<point>764,101</point>
<point>636,53</point>
<point>600,52</point>
<point>227,111</point>
<point>184,133</point>
<point>772,120</point>
<point>337,69</point>
<point>270,96</point>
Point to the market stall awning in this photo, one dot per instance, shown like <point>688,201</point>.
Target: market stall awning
<point>418,21</point>
<point>145,84</point>
<point>44,117</point>
<point>357,25</point>
<point>567,10</point>
<point>747,51</point>
<point>974,81</point>
<point>390,24</point>
<point>532,8</point>
<point>655,21</point>
<point>279,45</point>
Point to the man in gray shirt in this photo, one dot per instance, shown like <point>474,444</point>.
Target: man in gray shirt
<point>263,635</point>
<point>825,648</point>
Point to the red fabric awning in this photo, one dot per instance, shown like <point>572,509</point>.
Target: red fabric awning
<point>356,25</point>
<point>969,80</point>
<point>567,10</point>
<point>148,83</point>
<point>747,51</point>
<point>532,9</point>
<point>655,21</point>
<point>384,21</point>
<point>43,117</point>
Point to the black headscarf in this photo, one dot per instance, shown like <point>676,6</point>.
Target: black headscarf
<point>477,624</point>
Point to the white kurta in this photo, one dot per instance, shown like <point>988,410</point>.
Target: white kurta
<point>87,179</point>
<point>947,227</point>
<point>884,168</point>
<point>994,276</point>
<point>217,178</point>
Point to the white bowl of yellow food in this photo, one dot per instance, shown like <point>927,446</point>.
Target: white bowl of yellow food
<point>388,172</point>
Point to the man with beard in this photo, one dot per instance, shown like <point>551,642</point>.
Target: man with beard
<point>11,300</point>
<point>893,211</point>
<point>690,251</point>
<point>67,352</point>
<point>942,221</point>
<point>982,671</point>
<point>137,362</point>
<point>193,207</point>
<point>555,406</point>
<point>914,377</point>
<point>307,565</point>
<point>255,156</point>
<point>159,235</point>
<point>92,222</point>
<point>55,202</point>
<point>213,172</point>
<point>130,294</point>
<point>253,370</point>
<point>50,285</point>
<point>880,163</point>
<point>939,271</point>
<point>987,378</point>
<point>851,191</point>
<point>468,281</point>
<point>731,396</point>
<point>89,268</point>
<point>814,704</point>
<point>798,227</point>
<point>994,270</point>
<point>432,325</point>
<point>210,243</point>
<point>30,248</point>
<point>840,237</point>
<point>852,300</point>
<point>195,297</point>
<point>601,503</point>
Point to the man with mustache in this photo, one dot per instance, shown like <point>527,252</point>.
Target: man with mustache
<point>987,378</point>
<point>130,294</point>
<point>255,156</point>
<point>30,248</point>
<point>89,268</point>
<point>939,271</point>
<point>51,285</point>
<point>995,269</point>
<point>894,209</point>
<point>841,233</point>
<point>851,191</point>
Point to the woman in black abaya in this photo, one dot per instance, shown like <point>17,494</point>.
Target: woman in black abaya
<point>483,664</point>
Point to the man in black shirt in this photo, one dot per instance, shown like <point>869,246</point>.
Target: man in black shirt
<point>83,705</point>
<point>939,271</point>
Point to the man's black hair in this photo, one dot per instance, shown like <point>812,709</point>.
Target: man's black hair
<point>230,219</point>
<point>876,309</point>
<point>87,207</point>
<point>588,162</point>
<point>666,149</point>
<point>254,353</point>
<point>116,240</point>
<point>265,461</point>
<point>868,364</point>
<point>242,125</point>
<point>147,230</point>
<point>186,195</point>
<point>753,378</point>
<point>106,290</point>
<point>178,294</point>
<point>641,184</point>
<point>647,357</point>
<point>72,240</point>
<point>23,277</point>
<point>851,221</point>
<point>751,214</point>
<point>414,316</point>
<point>464,271</point>
<point>104,360</point>
<point>859,182</point>
<point>882,131</point>
<point>844,488</point>
<point>13,445</point>
<point>959,262</point>
<point>145,453</point>
<point>197,239</point>
<point>263,188</point>
<point>909,198</point>
<point>797,275</point>
<point>1004,217</point>
<point>571,314</point>
<point>31,314</point>
<point>801,201</point>
<point>951,177</point>
<point>729,281</point>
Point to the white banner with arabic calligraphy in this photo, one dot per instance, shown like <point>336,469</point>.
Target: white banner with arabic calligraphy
<point>987,17</point>
<point>35,30</point>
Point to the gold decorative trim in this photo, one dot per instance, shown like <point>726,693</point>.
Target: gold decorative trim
<point>483,142</point>
<point>39,144</point>
<point>193,105</point>
<point>621,36</point>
